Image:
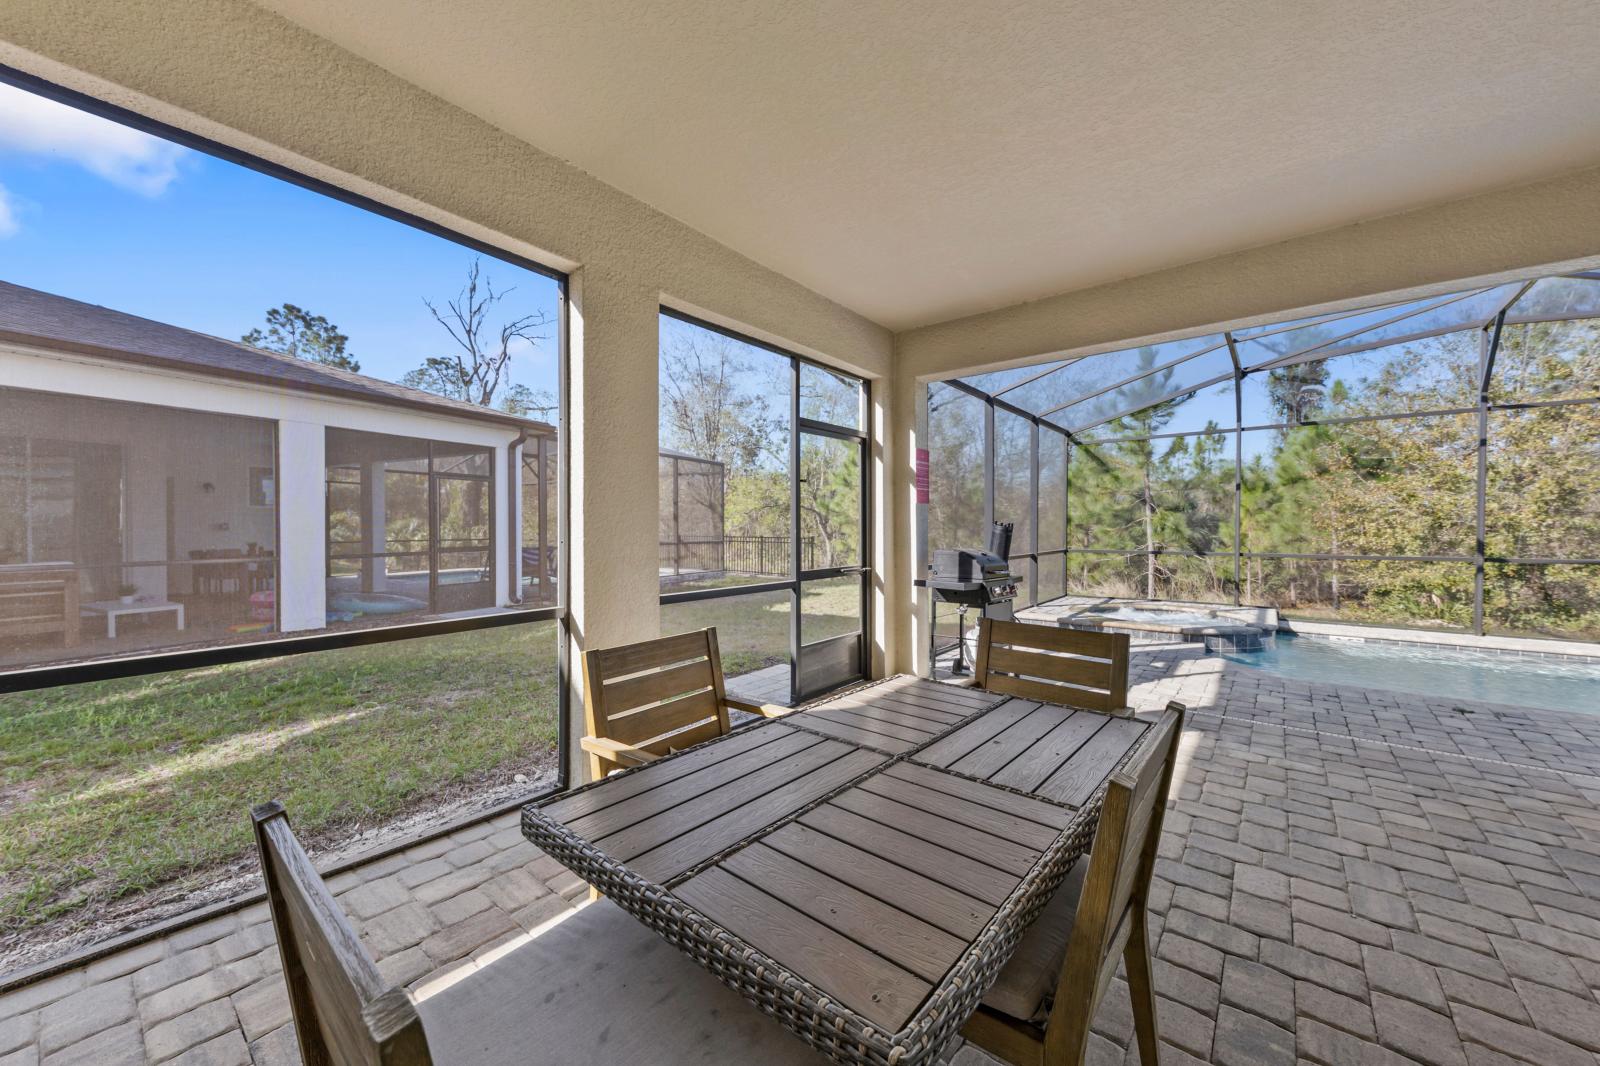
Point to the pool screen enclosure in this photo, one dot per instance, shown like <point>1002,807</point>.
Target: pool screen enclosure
<point>1431,463</point>
<point>692,528</point>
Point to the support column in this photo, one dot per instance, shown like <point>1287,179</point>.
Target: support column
<point>508,531</point>
<point>612,581</point>
<point>374,527</point>
<point>904,617</point>
<point>302,527</point>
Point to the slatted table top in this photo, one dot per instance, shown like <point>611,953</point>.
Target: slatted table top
<point>870,860</point>
<point>711,797</point>
<point>1055,752</point>
<point>874,895</point>
<point>896,715</point>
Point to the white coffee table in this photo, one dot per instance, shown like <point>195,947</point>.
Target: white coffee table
<point>114,609</point>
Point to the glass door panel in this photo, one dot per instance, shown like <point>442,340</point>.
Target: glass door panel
<point>830,502</point>
<point>832,633</point>
<point>762,477</point>
<point>832,620</point>
<point>753,634</point>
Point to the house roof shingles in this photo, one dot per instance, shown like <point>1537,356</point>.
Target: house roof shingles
<point>43,320</point>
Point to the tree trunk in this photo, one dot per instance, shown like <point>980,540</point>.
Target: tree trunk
<point>1149,541</point>
<point>1336,571</point>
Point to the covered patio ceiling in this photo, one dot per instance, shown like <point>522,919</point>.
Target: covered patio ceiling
<point>917,163</point>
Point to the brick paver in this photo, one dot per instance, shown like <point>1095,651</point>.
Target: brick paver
<point>1404,880</point>
<point>213,994</point>
<point>1347,877</point>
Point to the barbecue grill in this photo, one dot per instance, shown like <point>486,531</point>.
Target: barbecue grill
<point>970,577</point>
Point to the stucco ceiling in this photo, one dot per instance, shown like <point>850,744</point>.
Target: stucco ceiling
<point>921,161</point>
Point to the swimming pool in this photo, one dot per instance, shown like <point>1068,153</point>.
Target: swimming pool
<point>1433,670</point>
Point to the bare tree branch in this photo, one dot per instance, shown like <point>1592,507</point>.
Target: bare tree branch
<point>479,372</point>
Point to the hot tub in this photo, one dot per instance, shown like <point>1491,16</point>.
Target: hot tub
<point>1219,628</point>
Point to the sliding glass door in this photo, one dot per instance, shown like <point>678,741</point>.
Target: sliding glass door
<point>763,511</point>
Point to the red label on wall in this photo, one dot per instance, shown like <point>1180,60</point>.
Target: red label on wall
<point>922,475</point>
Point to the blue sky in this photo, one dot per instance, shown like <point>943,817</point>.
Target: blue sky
<point>99,212</point>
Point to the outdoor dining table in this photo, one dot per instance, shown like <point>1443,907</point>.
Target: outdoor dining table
<point>859,870</point>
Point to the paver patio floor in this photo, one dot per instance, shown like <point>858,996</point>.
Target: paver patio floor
<point>1347,877</point>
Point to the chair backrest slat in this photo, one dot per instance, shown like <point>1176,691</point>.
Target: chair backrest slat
<point>1120,867</point>
<point>675,714</point>
<point>649,654</point>
<point>658,694</point>
<point>343,1012</point>
<point>669,683</point>
<point>1070,666</point>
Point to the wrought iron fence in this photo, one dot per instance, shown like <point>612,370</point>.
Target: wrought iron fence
<point>735,555</point>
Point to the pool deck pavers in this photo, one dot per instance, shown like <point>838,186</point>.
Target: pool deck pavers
<point>1347,878</point>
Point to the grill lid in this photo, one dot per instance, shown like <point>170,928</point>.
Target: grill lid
<point>964,566</point>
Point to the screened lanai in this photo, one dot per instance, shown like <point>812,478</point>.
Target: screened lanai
<point>1429,464</point>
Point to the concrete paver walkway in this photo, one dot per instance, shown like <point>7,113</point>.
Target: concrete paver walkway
<point>1359,877</point>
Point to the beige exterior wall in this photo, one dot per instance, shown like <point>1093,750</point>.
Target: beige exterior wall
<point>233,72</point>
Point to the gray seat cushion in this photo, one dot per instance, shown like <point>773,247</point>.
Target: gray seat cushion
<point>601,988</point>
<point>1035,968</point>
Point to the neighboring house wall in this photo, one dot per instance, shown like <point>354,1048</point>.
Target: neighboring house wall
<point>302,421</point>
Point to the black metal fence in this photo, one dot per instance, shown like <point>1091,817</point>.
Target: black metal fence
<point>735,555</point>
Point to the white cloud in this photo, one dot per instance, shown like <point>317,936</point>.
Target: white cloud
<point>126,157</point>
<point>8,214</point>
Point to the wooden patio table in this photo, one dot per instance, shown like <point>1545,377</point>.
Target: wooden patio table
<point>860,870</point>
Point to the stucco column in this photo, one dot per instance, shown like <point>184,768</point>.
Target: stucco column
<point>612,582</point>
<point>302,526</point>
<point>907,615</point>
<point>891,587</point>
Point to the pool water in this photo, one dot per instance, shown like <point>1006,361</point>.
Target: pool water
<point>1434,671</point>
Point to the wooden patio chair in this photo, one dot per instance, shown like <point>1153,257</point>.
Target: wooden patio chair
<point>1070,666</point>
<point>36,600</point>
<point>558,997</point>
<point>644,700</point>
<point>1038,1011</point>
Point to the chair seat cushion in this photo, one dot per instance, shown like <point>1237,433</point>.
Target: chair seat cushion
<point>1035,968</point>
<point>597,988</point>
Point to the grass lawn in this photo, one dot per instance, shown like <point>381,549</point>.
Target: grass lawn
<point>115,787</point>
<point>753,631</point>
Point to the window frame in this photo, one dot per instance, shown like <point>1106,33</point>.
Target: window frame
<point>800,426</point>
<point>45,676</point>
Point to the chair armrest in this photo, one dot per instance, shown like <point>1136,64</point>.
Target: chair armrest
<point>765,710</point>
<point>617,751</point>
